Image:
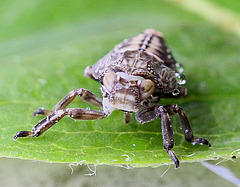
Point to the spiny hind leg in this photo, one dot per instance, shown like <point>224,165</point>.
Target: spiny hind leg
<point>187,130</point>
<point>84,94</point>
<point>155,112</point>
<point>167,133</point>
<point>53,118</point>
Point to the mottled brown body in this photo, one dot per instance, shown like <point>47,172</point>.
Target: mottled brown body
<point>133,77</point>
<point>144,55</point>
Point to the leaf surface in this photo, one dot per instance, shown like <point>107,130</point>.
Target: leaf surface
<point>43,57</point>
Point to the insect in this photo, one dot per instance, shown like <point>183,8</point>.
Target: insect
<point>134,76</point>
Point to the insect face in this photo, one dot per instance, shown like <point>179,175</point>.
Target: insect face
<point>126,92</point>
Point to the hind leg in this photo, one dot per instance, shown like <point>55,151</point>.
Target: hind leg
<point>50,120</point>
<point>187,130</point>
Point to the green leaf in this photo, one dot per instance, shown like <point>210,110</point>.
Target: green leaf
<point>45,47</point>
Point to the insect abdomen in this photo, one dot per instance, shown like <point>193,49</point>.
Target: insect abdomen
<point>150,41</point>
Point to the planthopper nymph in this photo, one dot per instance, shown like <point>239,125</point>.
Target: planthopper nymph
<point>134,76</point>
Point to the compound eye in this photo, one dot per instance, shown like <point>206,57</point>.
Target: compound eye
<point>147,88</point>
<point>110,80</point>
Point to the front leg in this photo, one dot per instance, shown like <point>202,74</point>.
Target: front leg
<point>84,94</point>
<point>49,121</point>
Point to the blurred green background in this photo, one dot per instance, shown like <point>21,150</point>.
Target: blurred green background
<point>44,48</point>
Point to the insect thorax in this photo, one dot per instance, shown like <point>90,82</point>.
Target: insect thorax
<point>137,63</point>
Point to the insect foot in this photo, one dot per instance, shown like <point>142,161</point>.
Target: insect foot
<point>43,125</point>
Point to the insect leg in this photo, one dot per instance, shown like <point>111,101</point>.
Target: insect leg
<point>187,130</point>
<point>42,111</point>
<point>50,120</point>
<point>151,113</point>
<point>84,94</point>
<point>127,116</point>
<point>167,133</point>
<point>181,93</point>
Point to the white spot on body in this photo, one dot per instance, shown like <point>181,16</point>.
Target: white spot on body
<point>129,77</point>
